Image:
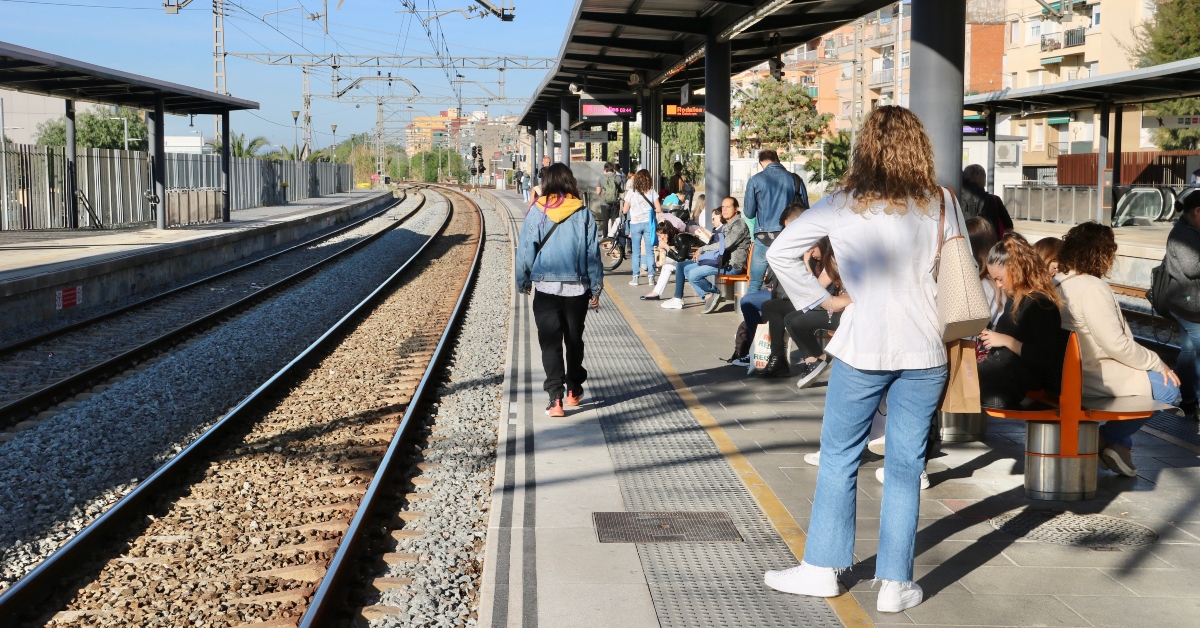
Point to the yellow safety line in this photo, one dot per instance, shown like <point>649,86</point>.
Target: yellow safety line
<point>845,606</point>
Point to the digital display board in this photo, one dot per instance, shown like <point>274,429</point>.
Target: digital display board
<point>607,109</point>
<point>693,112</point>
<point>974,128</point>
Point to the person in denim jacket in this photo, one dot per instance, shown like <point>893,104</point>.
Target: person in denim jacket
<point>558,260</point>
<point>768,193</point>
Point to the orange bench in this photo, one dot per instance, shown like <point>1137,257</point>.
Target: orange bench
<point>732,286</point>
<point>1062,435</point>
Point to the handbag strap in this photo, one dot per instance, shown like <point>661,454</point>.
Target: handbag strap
<point>937,260</point>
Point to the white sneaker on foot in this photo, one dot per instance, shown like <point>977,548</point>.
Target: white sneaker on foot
<point>876,446</point>
<point>634,281</point>
<point>805,579</point>
<point>814,458</point>
<point>672,304</point>
<point>897,596</point>
<point>743,361</point>
<point>924,478</point>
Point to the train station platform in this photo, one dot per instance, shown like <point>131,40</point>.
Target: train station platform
<point>586,530</point>
<point>99,267</point>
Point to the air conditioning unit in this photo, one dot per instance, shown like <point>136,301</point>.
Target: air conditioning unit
<point>1008,153</point>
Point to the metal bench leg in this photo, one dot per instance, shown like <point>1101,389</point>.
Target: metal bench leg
<point>960,427</point>
<point>1051,476</point>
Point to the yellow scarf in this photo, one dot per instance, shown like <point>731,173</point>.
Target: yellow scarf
<point>563,210</point>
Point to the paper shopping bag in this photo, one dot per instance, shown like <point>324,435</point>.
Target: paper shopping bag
<point>760,349</point>
<point>962,389</point>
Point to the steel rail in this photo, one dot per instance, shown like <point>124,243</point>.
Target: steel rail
<point>18,600</point>
<point>64,387</point>
<point>327,601</point>
<point>54,333</point>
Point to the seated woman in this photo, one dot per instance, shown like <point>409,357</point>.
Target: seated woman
<point>983,237</point>
<point>751,304</point>
<point>1026,343</point>
<point>679,246</point>
<point>1047,249</point>
<point>1114,364</point>
<point>731,262</point>
<point>778,311</point>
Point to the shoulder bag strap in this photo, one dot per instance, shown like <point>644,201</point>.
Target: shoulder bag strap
<point>941,229</point>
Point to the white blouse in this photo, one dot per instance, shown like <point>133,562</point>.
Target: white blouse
<point>885,258</point>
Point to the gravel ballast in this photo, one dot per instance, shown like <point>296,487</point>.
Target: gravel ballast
<point>60,475</point>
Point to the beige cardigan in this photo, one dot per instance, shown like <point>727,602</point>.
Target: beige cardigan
<point>1114,364</point>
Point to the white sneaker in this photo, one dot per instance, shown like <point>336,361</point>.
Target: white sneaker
<point>924,485</point>
<point>897,596</point>
<point>814,458</point>
<point>876,446</point>
<point>805,579</point>
<point>742,361</point>
<point>672,304</point>
<point>634,281</point>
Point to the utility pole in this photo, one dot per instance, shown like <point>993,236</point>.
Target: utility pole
<point>219,84</point>
<point>295,141</point>
<point>859,89</point>
<point>306,107</point>
<point>897,52</point>
<point>379,139</point>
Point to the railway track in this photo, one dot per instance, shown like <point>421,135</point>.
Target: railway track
<point>262,517</point>
<point>39,372</point>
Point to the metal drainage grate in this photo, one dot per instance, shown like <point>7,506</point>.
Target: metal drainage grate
<point>1066,528</point>
<point>665,527</point>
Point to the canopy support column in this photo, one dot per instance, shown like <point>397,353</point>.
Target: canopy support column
<point>716,124</point>
<point>550,135</point>
<point>604,145</point>
<point>226,172</point>
<point>1118,126</point>
<point>564,129</point>
<point>539,149</point>
<point>72,204</point>
<point>991,151</point>
<point>624,156</point>
<point>936,88</point>
<point>654,159</point>
<point>1102,161</point>
<point>158,170</point>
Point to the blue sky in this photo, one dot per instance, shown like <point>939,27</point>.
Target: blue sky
<point>138,36</point>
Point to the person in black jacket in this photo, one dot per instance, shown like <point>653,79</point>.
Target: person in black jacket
<point>976,201</point>
<point>1027,344</point>
<point>680,245</point>
<point>1183,268</point>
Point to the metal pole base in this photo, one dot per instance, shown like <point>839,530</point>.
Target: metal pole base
<point>1061,479</point>
<point>960,427</point>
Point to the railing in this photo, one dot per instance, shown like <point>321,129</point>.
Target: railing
<point>1075,37</point>
<point>33,184</point>
<point>1068,205</point>
<point>882,77</point>
<point>1052,42</point>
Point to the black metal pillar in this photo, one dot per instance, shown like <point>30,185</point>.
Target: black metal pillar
<point>226,172</point>
<point>564,129</point>
<point>158,168</point>
<point>624,156</point>
<point>550,135</point>
<point>539,146</point>
<point>604,145</point>
<point>716,124</point>
<point>587,146</point>
<point>654,141</point>
<point>1102,162</point>
<point>936,90</point>
<point>990,120</point>
<point>72,203</point>
<point>1118,127</point>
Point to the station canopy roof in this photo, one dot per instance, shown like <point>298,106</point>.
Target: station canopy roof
<point>1178,79</point>
<point>609,40</point>
<point>36,72</point>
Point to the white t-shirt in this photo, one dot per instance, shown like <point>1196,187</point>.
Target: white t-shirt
<point>640,205</point>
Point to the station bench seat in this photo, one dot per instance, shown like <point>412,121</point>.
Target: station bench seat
<point>1062,435</point>
<point>734,286</point>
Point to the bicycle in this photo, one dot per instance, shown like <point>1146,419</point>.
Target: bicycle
<point>612,248</point>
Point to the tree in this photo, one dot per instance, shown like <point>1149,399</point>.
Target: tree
<point>240,147</point>
<point>685,139</point>
<point>836,158</point>
<point>779,115</point>
<point>1173,35</point>
<point>96,128</point>
<point>635,146</point>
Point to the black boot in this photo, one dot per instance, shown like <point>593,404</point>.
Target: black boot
<point>776,367</point>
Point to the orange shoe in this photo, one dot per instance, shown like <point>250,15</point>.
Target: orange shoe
<point>555,409</point>
<point>572,400</point>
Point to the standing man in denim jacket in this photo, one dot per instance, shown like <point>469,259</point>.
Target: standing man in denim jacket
<point>767,194</point>
<point>558,260</point>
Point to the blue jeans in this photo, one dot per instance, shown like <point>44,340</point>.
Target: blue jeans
<point>850,405</point>
<point>758,266</point>
<point>751,305</point>
<point>1121,432</point>
<point>1188,364</point>
<point>640,234</point>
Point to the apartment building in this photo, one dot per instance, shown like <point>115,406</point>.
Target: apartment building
<point>428,132</point>
<point>1089,38</point>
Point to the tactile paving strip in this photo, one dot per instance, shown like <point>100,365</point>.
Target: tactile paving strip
<point>664,527</point>
<point>1067,528</point>
<point>1183,428</point>
<point>666,462</point>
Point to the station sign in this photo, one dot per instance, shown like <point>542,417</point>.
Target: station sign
<point>693,112</point>
<point>975,127</point>
<point>593,137</point>
<point>1171,122</point>
<point>608,108</point>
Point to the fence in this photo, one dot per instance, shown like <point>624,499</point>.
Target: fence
<point>1150,167</point>
<point>1062,204</point>
<point>112,184</point>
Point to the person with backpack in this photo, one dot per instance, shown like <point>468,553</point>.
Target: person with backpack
<point>558,261</point>
<point>767,194</point>
<point>1182,298</point>
<point>977,201</point>
<point>609,190</point>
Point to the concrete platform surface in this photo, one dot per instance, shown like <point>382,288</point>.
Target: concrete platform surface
<point>666,418</point>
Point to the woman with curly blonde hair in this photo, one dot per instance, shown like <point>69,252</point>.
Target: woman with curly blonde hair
<point>882,221</point>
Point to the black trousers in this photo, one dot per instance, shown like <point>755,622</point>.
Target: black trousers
<point>773,312</point>
<point>559,323</point>
<point>801,326</point>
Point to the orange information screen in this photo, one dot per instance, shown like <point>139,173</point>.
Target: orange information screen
<point>683,113</point>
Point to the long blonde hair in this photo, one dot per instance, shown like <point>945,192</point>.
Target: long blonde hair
<point>892,164</point>
<point>1027,273</point>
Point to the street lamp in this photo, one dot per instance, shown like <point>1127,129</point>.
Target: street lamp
<point>333,149</point>
<point>295,136</point>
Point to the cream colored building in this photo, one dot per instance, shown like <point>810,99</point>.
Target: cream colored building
<point>1093,39</point>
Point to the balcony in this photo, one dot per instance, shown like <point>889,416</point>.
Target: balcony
<point>882,77</point>
<point>1068,39</point>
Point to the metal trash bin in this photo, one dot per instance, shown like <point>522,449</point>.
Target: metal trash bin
<point>1048,476</point>
<point>961,427</point>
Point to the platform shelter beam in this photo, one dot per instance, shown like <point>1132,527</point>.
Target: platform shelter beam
<point>70,182</point>
<point>564,129</point>
<point>936,89</point>
<point>716,124</point>
<point>550,135</point>
<point>1102,159</point>
<point>158,162</point>
<point>226,172</point>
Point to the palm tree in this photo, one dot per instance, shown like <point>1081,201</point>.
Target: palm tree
<point>239,147</point>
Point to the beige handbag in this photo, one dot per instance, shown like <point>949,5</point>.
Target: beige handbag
<point>963,309</point>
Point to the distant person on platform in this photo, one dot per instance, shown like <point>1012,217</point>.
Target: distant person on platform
<point>977,201</point>
<point>767,194</point>
<point>525,182</point>
<point>610,188</point>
